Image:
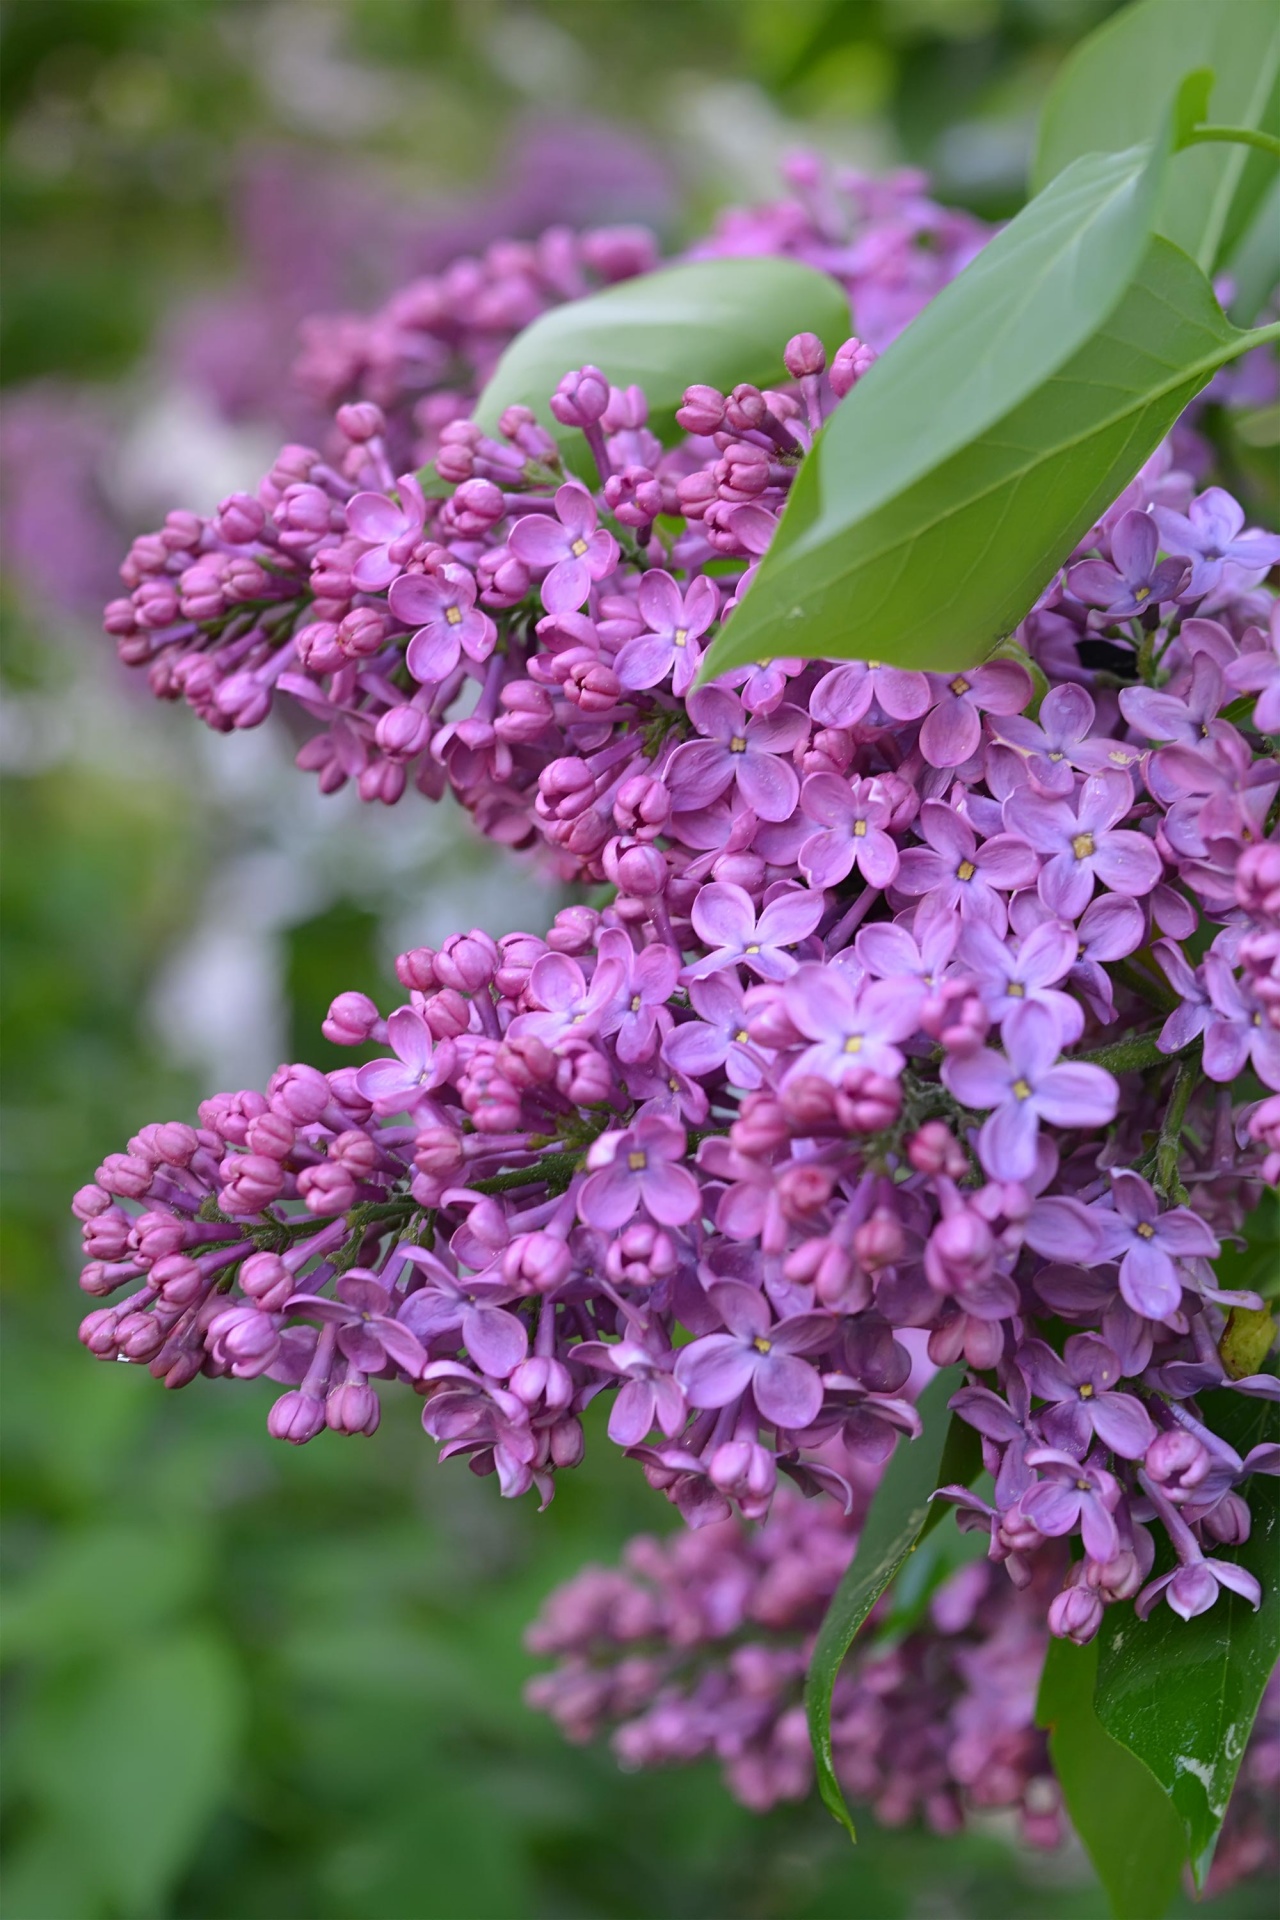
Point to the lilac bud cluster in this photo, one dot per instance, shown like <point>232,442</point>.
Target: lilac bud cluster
<point>698,1645</point>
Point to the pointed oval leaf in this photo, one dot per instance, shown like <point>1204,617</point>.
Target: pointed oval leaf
<point>936,577</point>
<point>1125,1822</point>
<point>717,322</point>
<point>1109,91</point>
<point>900,1515</point>
<point>1182,1694</point>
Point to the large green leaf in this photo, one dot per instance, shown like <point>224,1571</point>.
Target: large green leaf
<point>1182,1694</point>
<point>1125,1822</point>
<point>936,576</point>
<point>1110,92</point>
<point>900,1516</point>
<point>714,322</point>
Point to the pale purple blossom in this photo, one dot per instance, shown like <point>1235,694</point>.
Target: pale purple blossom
<point>1025,1085</point>
<point>572,546</point>
<point>1082,843</point>
<point>640,1166</point>
<point>1136,581</point>
<point>758,1353</point>
<point>725,920</point>
<point>748,752</point>
<point>1151,1245</point>
<point>1211,534</point>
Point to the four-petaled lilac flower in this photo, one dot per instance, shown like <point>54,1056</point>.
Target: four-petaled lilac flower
<point>646,981</point>
<point>850,1025</point>
<point>443,608</point>
<point>391,532</point>
<point>396,1086</point>
<point>364,1312</point>
<point>1080,1387</point>
<point>852,816</point>
<point>564,1004</point>
<point>649,1395</point>
<point>889,952</point>
<point>1110,928</point>
<point>960,873</point>
<point>842,696</point>
<point>1135,582</point>
<point>1148,1245</point>
<point>1192,1586</point>
<point>472,1309</point>
<point>1194,1010</point>
<point>952,729</point>
<point>1073,1494</point>
<point>759,1353</point>
<point>1083,843</point>
<point>676,623</point>
<point>724,919</point>
<point>718,1037</point>
<point>640,1167</point>
<point>1209,532</point>
<point>1010,978</point>
<point>1258,671</point>
<point>737,749</point>
<point>577,551</point>
<point>1239,1029</point>
<point>1025,1085</point>
<point>1187,716</point>
<point>1062,741</point>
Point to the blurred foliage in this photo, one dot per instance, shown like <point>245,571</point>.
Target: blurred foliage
<point>240,1679</point>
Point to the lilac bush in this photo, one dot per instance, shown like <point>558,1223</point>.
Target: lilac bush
<point>926,1018</point>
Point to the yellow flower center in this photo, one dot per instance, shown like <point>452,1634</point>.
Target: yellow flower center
<point>859,829</point>
<point>1146,1230</point>
<point>1055,755</point>
<point>1086,1391</point>
<point>959,685</point>
<point>966,870</point>
<point>1141,593</point>
<point>681,636</point>
<point>453,616</point>
<point>636,1162</point>
<point>1021,1090</point>
<point>854,1043</point>
<point>578,548</point>
<point>751,949</point>
<point>741,1035</point>
<point>1119,757</point>
<point>1016,990</point>
<point>762,1345</point>
<point>1082,846</point>
<point>737,744</point>
<point>636,1003</point>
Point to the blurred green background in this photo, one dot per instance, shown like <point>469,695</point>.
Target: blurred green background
<point>242,1680</point>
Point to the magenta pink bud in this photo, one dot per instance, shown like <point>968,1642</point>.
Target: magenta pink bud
<point>1075,1614</point>
<point>568,1443</point>
<point>542,1383</point>
<point>581,398</point>
<point>318,647</point>
<point>403,732</point>
<point>586,1078</point>
<point>417,969</point>
<point>351,1020</point>
<point>438,1151</point>
<point>537,1263</point>
<point>266,1280</point>
<point>360,420</point>
<point>327,1189</point>
<point>880,1240</point>
<point>1229,1522</point>
<point>239,519</point>
<point>761,1126</point>
<point>467,961</point>
<point>299,1092</point>
<point>296,1417</point>
<point>1178,1462</point>
<point>271,1134</point>
<point>935,1150</point>
<point>641,1254</point>
<point>351,1408</point>
<point>803,355</point>
<point>701,411</point>
<point>851,362</point>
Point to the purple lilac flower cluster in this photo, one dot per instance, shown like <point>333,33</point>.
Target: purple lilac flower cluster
<point>698,1645</point>
<point>831,1066</point>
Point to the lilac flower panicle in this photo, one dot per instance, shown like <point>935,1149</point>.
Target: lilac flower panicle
<point>924,1024</point>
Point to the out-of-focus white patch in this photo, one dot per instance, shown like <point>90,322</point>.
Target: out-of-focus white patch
<point>180,452</point>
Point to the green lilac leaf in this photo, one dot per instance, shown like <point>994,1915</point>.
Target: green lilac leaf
<point>709,322</point>
<point>936,577</point>
<point>901,1513</point>
<point>1123,1818</point>
<point>1182,1694</point>
<point>1109,92</point>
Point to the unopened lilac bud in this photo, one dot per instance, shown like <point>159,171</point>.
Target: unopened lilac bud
<point>641,1254</point>
<point>327,1189</point>
<point>1075,1614</point>
<point>701,411</point>
<point>852,361</point>
<point>265,1279</point>
<point>935,1150</point>
<point>867,1102</point>
<point>1178,1462</point>
<point>403,732</point>
<point>542,1383</point>
<point>586,1078</point>
<point>880,1240</point>
<point>252,1182</point>
<point>296,1417</point>
<point>351,1020</point>
<point>89,1202</point>
<point>744,1469</point>
<point>1117,1579</point>
<point>568,1442</point>
<point>573,930</point>
<point>417,969</point>
<point>351,1408</point>
<point>299,1092</point>
<point>804,354</point>
<point>761,1126</point>
<point>503,578</point>
<point>438,1151</point>
<point>467,961</point>
<point>362,632</point>
<point>239,519</point>
<point>179,1279</point>
<point>318,647</point>
<point>97,1331</point>
<point>637,869</point>
<point>1229,1522</point>
<point>272,1135</point>
<point>581,398</point>
<point>360,420</point>
<point>537,1263</point>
